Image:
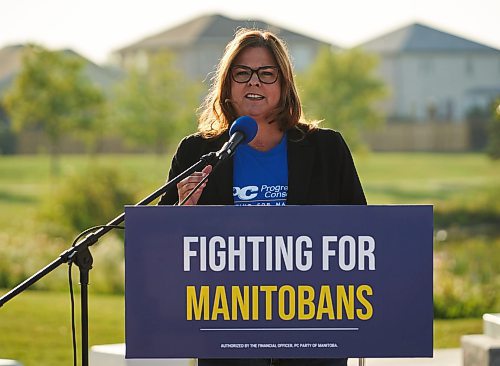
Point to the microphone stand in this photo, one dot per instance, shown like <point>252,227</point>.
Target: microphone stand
<point>81,256</point>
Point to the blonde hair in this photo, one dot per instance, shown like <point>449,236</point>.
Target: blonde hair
<point>217,111</point>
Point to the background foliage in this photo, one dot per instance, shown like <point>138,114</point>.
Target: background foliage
<point>53,95</point>
<point>152,108</point>
<point>86,198</point>
<point>341,89</point>
<point>41,213</point>
<point>493,147</point>
<point>463,188</point>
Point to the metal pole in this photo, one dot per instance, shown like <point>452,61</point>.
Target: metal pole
<point>84,260</point>
<point>362,362</point>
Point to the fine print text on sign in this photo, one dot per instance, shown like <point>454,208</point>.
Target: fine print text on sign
<point>296,281</point>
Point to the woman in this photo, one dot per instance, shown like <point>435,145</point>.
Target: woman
<point>303,164</point>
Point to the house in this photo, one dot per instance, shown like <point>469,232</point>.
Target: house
<point>435,80</point>
<point>11,58</point>
<point>433,75</point>
<point>199,44</point>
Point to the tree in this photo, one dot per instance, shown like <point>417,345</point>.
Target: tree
<point>52,94</point>
<point>493,147</point>
<point>154,107</point>
<point>340,89</point>
<point>7,137</point>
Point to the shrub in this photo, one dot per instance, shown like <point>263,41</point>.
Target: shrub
<point>22,255</point>
<point>81,200</point>
<point>85,199</point>
<point>466,278</point>
<point>478,207</point>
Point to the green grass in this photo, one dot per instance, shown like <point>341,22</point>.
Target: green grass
<point>25,181</point>
<point>447,333</point>
<point>35,327</point>
<point>388,178</point>
<point>408,178</point>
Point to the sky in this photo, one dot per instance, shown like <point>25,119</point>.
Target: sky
<point>95,28</point>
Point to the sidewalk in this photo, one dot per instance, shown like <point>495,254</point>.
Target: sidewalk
<point>113,355</point>
<point>442,357</point>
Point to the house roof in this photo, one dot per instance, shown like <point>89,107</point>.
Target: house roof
<point>11,62</point>
<point>206,27</point>
<point>418,37</point>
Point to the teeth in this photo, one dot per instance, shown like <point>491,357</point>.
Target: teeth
<point>254,96</point>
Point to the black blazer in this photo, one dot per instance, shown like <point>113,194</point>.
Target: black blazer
<point>320,170</point>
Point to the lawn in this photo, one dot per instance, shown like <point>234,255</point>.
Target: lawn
<point>388,178</point>
<point>431,178</point>
<point>25,181</point>
<point>35,326</point>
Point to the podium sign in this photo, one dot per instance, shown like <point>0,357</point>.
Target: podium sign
<point>279,282</point>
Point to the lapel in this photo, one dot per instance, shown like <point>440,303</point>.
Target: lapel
<point>300,164</point>
<point>223,179</point>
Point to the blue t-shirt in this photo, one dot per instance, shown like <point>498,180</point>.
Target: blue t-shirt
<point>260,177</point>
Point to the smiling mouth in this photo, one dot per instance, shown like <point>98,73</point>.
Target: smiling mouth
<point>252,96</point>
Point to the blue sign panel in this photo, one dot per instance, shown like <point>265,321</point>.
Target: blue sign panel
<point>279,282</point>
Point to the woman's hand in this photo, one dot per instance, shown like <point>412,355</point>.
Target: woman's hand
<point>185,186</point>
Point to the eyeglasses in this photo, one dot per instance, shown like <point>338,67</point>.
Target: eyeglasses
<point>243,74</point>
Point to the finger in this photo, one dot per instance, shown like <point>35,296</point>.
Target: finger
<point>189,187</point>
<point>207,170</point>
<point>189,184</point>
<point>193,180</point>
<point>185,186</point>
<point>197,176</point>
<point>189,180</point>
